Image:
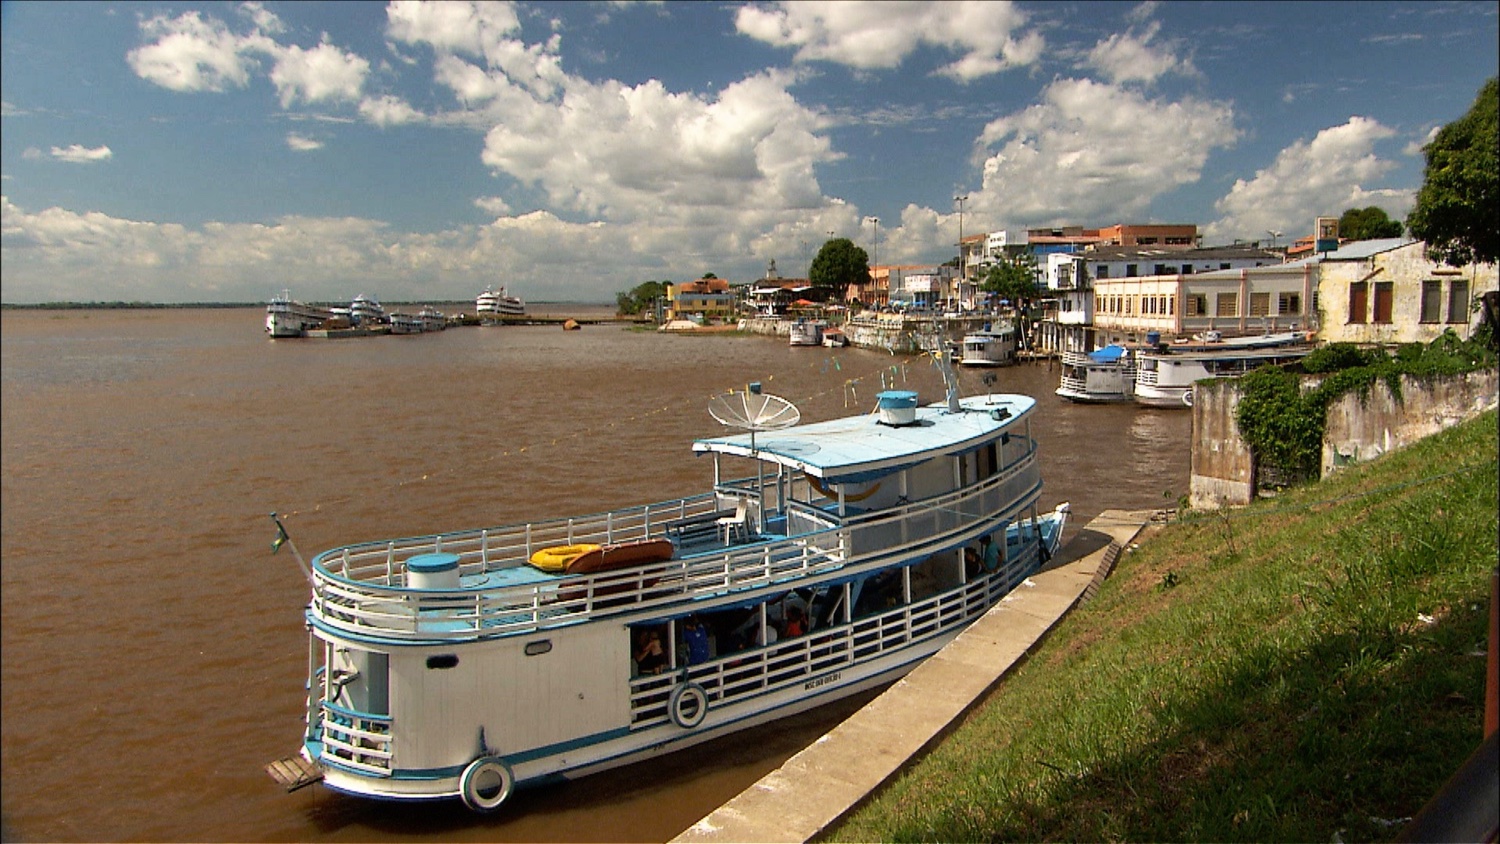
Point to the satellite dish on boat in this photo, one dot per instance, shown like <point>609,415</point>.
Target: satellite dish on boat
<point>754,411</point>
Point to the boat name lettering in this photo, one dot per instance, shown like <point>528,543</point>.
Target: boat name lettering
<point>822,681</point>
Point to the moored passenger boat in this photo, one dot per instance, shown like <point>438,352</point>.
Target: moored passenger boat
<point>805,332</point>
<point>492,304</point>
<point>287,317</point>
<point>1165,373</point>
<point>432,319</point>
<point>465,664</point>
<point>1101,376</point>
<point>366,311</point>
<point>990,346</point>
<point>405,323</point>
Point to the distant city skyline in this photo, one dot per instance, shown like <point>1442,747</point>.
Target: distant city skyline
<point>197,152</point>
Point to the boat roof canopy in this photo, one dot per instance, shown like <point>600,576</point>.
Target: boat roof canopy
<point>1108,354</point>
<point>862,448</point>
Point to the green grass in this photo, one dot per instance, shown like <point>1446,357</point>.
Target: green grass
<point>1304,668</point>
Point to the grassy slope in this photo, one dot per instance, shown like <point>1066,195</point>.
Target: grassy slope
<point>1307,667</point>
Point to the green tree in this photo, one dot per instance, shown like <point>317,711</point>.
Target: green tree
<point>1012,278</point>
<point>1458,208</point>
<point>641,297</point>
<point>1368,224</point>
<point>839,264</point>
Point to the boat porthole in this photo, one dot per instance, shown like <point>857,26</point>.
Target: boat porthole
<point>1187,398</point>
<point>486,783</point>
<point>688,705</point>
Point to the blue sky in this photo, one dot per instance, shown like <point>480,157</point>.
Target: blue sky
<point>183,152</point>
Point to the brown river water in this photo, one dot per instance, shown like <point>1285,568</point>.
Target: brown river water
<point>153,646</point>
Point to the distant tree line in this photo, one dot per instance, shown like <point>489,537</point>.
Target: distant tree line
<point>122,306</point>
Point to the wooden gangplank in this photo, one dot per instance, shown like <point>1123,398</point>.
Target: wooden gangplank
<point>294,772</point>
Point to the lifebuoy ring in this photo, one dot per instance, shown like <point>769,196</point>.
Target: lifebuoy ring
<point>818,485</point>
<point>688,705</point>
<point>557,557</point>
<point>486,783</point>
<point>1187,398</point>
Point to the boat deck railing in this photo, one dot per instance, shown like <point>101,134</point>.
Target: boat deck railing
<point>363,589</point>
<point>815,658</point>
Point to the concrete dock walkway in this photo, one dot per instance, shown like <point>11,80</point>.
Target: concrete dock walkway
<point>818,786</point>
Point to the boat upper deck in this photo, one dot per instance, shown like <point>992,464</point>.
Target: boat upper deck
<point>861,447</point>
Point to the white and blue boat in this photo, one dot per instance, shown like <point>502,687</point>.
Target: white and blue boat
<point>992,345</point>
<point>463,665</point>
<point>1102,376</point>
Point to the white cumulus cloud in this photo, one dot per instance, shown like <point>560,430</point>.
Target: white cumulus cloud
<point>1309,179</point>
<point>1093,151</point>
<point>79,154</point>
<point>301,143</point>
<point>323,73</point>
<point>1133,57</point>
<point>191,53</point>
<point>988,34</point>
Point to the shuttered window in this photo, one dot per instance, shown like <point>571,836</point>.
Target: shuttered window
<point>1458,301</point>
<point>1384,299</point>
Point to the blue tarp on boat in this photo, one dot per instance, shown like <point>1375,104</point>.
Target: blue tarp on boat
<point>1108,354</point>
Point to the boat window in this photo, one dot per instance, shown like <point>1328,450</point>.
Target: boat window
<point>443,661</point>
<point>539,647</point>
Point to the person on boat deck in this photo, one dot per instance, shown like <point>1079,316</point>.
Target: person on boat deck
<point>989,552</point>
<point>695,635</point>
<point>795,624</point>
<point>649,656</point>
<point>971,562</point>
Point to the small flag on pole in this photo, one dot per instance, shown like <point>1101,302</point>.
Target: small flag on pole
<point>281,536</point>
<point>282,539</point>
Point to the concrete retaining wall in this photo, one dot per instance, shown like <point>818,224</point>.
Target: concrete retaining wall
<point>1358,428</point>
<point>1223,471</point>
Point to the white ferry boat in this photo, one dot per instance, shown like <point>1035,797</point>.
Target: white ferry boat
<point>497,303</point>
<point>805,332</point>
<point>405,323</point>
<point>365,310</point>
<point>1101,376</point>
<point>1165,374</point>
<point>286,317</point>
<point>432,319</point>
<point>990,346</point>
<point>465,664</point>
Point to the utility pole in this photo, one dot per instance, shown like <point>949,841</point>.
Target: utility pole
<point>963,275</point>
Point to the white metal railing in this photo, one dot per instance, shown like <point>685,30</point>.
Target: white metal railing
<point>362,589</point>
<point>356,740</point>
<point>742,675</point>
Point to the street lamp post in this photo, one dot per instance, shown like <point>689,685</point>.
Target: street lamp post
<point>1274,235</point>
<point>963,275</point>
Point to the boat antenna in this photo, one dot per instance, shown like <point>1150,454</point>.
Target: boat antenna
<point>754,411</point>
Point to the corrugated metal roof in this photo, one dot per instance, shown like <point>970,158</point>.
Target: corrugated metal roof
<point>1359,250</point>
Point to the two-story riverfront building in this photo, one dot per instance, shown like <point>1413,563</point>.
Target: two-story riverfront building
<point>1073,282</point>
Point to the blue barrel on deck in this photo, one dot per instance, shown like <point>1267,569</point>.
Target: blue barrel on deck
<point>1153,338</point>
<point>432,571</point>
<point>897,407</point>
